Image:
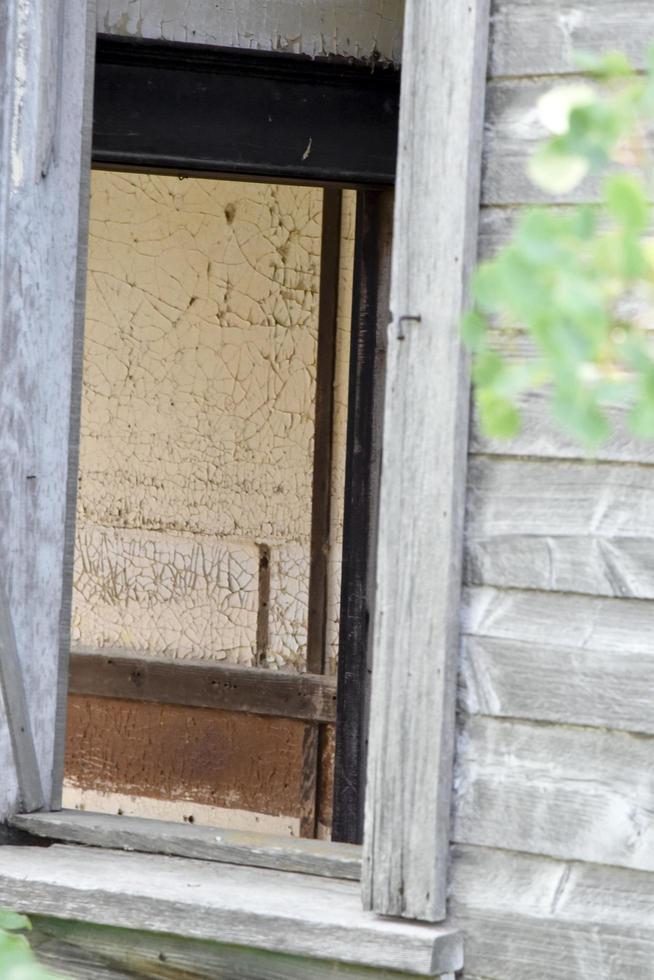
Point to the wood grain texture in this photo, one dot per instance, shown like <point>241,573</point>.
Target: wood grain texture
<point>566,684</point>
<point>175,958</point>
<point>558,526</point>
<point>39,225</point>
<point>205,843</point>
<point>540,37</point>
<point>122,674</point>
<point>19,725</point>
<point>557,619</point>
<point>268,910</point>
<point>581,794</point>
<point>199,755</point>
<point>423,461</point>
<point>531,918</point>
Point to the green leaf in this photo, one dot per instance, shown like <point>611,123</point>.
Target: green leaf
<point>627,201</point>
<point>499,417</point>
<point>555,171</point>
<point>610,64</point>
<point>12,921</point>
<point>473,329</point>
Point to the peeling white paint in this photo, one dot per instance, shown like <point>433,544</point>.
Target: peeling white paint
<point>351,28</point>
<point>198,415</point>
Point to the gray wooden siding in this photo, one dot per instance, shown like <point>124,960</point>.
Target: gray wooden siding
<point>554,781</point>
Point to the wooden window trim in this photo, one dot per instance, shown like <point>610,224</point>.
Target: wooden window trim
<point>423,445</point>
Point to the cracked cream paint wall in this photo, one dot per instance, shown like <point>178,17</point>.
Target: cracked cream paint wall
<point>350,28</point>
<point>198,414</point>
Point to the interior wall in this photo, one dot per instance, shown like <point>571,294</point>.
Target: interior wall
<point>363,29</point>
<point>554,785</point>
<point>196,456</point>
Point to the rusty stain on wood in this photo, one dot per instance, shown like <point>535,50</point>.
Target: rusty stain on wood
<point>167,752</point>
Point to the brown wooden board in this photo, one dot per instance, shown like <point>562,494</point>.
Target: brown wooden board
<point>167,752</point>
<point>120,674</point>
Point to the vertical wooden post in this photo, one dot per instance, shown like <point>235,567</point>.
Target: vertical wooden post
<point>330,251</point>
<point>424,446</point>
<point>370,314</point>
<point>46,53</point>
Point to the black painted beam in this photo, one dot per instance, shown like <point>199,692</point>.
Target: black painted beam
<point>192,109</point>
<point>370,316</point>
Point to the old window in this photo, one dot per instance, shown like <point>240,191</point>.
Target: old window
<point>423,441</point>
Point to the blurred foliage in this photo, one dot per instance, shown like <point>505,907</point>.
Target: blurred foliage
<point>576,280</point>
<point>17,961</point>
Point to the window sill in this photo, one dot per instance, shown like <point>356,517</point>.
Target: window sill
<point>280,912</point>
<point>314,857</point>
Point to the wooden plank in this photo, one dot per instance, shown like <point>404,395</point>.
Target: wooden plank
<point>540,38</point>
<point>423,461</point>
<point>40,217</point>
<point>543,682</point>
<point>153,99</point>
<point>183,958</point>
<point>370,315</point>
<point>582,622</point>
<point>189,840</point>
<point>355,29</point>
<point>122,674</point>
<point>197,756</point>
<point>582,795</point>
<point>559,526</point>
<point>530,918</point>
<point>268,910</point>
<point>330,251</point>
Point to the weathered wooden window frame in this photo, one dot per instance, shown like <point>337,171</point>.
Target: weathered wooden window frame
<point>423,439</point>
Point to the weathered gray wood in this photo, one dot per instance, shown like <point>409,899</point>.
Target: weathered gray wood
<point>314,857</point>
<point>540,37</point>
<point>174,958</point>
<point>84,194</point>
<point>423,460</point>
<point>566,527</point>
<point>39,220</point>
<point>269,910</point>
<point>531,918</point>
<point>542,682</point>
<point>12,687</point>
<point>559,619</point>
<point>71,961</point>
<point>124,674</point>
<point>582,794</point>
<point>353,28</point>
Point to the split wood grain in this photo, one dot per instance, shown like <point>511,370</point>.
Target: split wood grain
<point>580,795</point>
<point>424,460</point>
<point>40,218</point>
<point>559,526</point>
<point>124,674</point>
<point>539,681</point>
<point>267,910</point>
<point>204,843</point>
<point>530,918</point>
